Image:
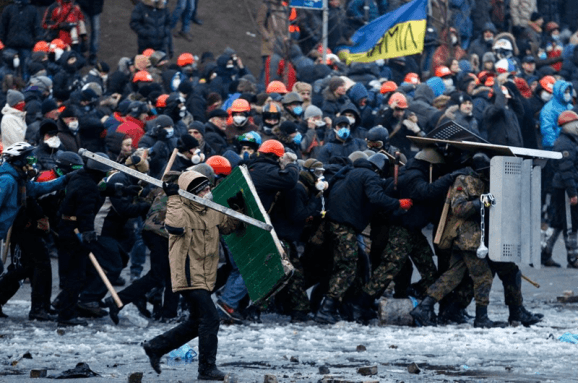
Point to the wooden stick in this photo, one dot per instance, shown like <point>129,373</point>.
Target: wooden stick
<point>536,285</point>
<point>103,277</point>
<point>6,245</point>
<point>170,163</point>
<point>443,218</point>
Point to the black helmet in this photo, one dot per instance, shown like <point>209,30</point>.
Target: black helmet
<point>68,162</point>
<point>95,165</point>
<point>378,133</point>
<point>380,162</point>
<point>480,162</point>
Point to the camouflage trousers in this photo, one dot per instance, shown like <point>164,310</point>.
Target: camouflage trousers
<point>295,290</point>
<point>511,278</point>
<point>463,294</point>
<point>402,244</point>
<point>460,262</point>
<point>345,254</point>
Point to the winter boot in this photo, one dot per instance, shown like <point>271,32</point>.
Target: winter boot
<point>361,308</point>
<point>154,357</point>
<point>299,316</point>
<point>537,315</point>
<point>91,310</point>
<point>210,372</point>
<point>547,250</point>
<point>482,320</point>
<point>452,313</point>
<point>40,314</point>
<point>571,243</point>
<point>519,316</point>
<point>141,305</point>
<point>424,314</point>
<point>113,309</point>
<point>327,313</point>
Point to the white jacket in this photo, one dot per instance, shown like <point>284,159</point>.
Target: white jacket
<point>13,127</point>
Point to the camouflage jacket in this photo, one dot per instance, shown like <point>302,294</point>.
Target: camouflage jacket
<point>462,228</point>
<point>155,219</point>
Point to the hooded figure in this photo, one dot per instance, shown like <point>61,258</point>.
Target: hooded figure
<point>13,126</point>
<point>151,20</point>
<point>561,101</point>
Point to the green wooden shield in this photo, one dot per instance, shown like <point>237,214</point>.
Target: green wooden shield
<point>258,253</point>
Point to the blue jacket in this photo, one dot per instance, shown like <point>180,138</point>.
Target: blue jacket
<point>550,112</point>
<point>9,205</point>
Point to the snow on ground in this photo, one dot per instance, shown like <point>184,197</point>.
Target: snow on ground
<point>444,354</point>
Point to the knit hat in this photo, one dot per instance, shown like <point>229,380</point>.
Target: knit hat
<point>68,112</point>
<point>35,67</point>
<point>535,16</point>
<point>437,85</point>
<point>102,67</point>
<point>335,83</point>
<point>288,127</point>
<point>185,87</point>
<point>312,111</point>
<point>489,56</point>
<point>218,113</point>
<point>48,106</point>
<point>187,142</point>
<point>14,97</point>
<point>459,98</point>
<point>48,127</point>
<point>198,125</point>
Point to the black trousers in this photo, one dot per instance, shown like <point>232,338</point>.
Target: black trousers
<point>203,323</point>
<point>73,262</point>
<point>108,253</point>
<point>33,263</point>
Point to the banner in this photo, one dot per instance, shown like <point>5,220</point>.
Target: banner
<point>395,34</point>
<point>311,4</point>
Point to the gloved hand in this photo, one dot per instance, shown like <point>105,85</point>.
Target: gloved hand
<point>171,189</point>
<point>132,190</point>
<point>237,202</point>
<point>405,204</point>
<point>88,236</point>
<point>411,126</point>
<point>287,159</point>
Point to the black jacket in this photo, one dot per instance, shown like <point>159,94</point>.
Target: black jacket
<point>152,26</point>
<point>215,138</point>
<point>46,157</point>
<point>428,199</point>
<point>91,7</point>
<point>20,26</point>
<point>160,150</point>
<point>357,196</point>
<point>70,141</point>
<point>502,123</point>
<point>566,176</point>
<point>269,178</point>
<point>336,148</point>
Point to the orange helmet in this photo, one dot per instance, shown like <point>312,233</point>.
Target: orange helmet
<point>399,100</point>
<point>2,45</point>
<point>57,44</point>
<point>272,146</point>
<point>547,82</point>
<point>41,46</point>
<point>387,87</point>
<point>221,166</point>
<point>490,81</point>
<point>240,105</point>
<point>162,101</point>
<point>142,76</point>
<point>442,71</point>
<point>276,87</point>
<point>148,52</point>
<point>566,117</point>
<point>185,59</point>
<point>412,78</point>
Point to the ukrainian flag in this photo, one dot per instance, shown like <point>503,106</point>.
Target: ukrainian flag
<point>395,34</point>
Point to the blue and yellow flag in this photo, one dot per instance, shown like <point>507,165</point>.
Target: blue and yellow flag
<point>395,34</point>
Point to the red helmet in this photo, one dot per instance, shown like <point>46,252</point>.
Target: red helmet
<point>411,78</point>
<point>442,71</point>
<point>185,59</point>
<point>57,44</point>
<point>41,46</point>
<point>399,100</point>
<point>276,87</point>
<point>272,146</point>
<point>162,101</point>
<point>566,117</point>
<point>547,82</point>
<point>148,52</point>
<point>142,76</point>
<point>221,166</point>
<point>387,87</point>
<point>240,105</point>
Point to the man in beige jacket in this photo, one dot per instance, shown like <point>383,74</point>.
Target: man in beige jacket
<point>194,232</point>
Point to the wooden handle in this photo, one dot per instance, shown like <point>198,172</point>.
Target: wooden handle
<point>443,219</point>
<point>170,163</point>
<point>536,285</point>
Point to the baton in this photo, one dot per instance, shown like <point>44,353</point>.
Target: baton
<point>536,285</point>
<point>170,163</point>
<point>396,169</point>
<point>183,193</point>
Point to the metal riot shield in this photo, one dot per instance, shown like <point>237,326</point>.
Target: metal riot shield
<point>505,237</point>
<point>258,253</point>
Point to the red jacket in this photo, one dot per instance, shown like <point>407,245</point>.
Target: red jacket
<point>61,12</point>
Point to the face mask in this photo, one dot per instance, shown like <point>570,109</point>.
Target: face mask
<point>16,62</point>
<point>246,156</point>
<point>343,133</point>
<point>230,66</point>
<point>351,120</point>
<point>73,126</point>
<point>449,83</point>
<point>169,132</point>
<point>297,110</point>
<point>239,120</point>
<point>104,78</point>
<point>320,183</point>
<point>489,40</point>
<point>53,142</point>
<point>543,56</point>
<point>297,138</point>
<point>320,123</point>
<point>556,37</point>
<point>176,82</point>
<point>57,54</point>
<point>183,112</point>
<point>454,40</point>
<point>209,196</point>
<point>196,157</point>
<point>545,96</point>
<point>567,97</point>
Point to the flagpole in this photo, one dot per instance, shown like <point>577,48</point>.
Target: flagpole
<point>325,21</point>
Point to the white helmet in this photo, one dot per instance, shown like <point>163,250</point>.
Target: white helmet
<point>503,44</point>
<point>18,149</point>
